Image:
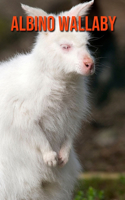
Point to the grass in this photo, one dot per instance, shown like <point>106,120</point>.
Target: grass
<point>91,194</point>
<point>101,189</point>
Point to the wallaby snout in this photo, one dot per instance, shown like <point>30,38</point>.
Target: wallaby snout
<point>88,65</point>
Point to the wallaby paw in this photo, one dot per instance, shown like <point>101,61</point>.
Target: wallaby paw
<point>50,158</point>
<point>63,158</point>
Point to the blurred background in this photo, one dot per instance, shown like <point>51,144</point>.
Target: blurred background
<point>101,143</point>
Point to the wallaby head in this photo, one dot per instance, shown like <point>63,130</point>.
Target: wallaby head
<point>65,52</point>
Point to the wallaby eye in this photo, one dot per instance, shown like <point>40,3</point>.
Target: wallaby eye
<point>66,46</point>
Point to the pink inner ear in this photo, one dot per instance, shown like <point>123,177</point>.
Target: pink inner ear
<point>74,11</point>
<point>80,9</point>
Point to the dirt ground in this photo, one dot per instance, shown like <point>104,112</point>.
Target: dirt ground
<point>101,144</point>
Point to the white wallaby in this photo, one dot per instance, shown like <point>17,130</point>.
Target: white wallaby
<point>43,100</point>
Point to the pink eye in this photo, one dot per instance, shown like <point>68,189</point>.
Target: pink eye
<point>66,46</point>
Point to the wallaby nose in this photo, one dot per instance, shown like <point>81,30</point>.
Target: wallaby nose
<point>89,65</point>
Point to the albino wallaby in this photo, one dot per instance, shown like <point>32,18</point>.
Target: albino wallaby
<point>43,100</point>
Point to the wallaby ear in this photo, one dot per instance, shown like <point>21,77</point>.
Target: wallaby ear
<point>30,11</point>
<point>80,9</point>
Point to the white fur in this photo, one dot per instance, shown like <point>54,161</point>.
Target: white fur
<point>43,99</point>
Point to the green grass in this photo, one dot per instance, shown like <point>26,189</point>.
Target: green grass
<point>101,189</point>
<point>91,194</point>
